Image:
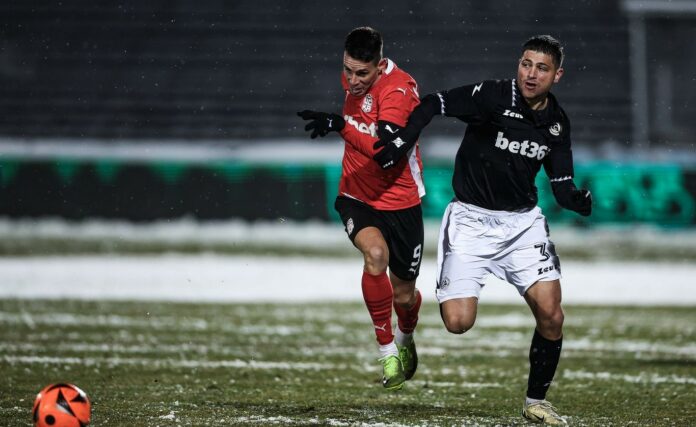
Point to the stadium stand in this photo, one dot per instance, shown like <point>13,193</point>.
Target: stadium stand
<point>239,70</point>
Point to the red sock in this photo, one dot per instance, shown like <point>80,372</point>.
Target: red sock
<point>378,295</point>
<point>408,318</point>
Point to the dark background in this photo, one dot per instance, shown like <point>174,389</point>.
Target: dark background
<point>240,69</point>
<point>81,80</point>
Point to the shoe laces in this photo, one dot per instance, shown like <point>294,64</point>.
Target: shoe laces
<point>548,406</point>
<point>391,363</point>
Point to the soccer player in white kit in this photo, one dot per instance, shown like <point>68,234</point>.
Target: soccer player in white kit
<point>493,225</point>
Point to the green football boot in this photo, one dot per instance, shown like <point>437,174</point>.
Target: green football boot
<point>543,412</point>
<point>393,377</point>
<point>409,358</point>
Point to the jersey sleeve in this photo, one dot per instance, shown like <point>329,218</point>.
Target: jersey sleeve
<point>559,163</point>
<point>471,103</point>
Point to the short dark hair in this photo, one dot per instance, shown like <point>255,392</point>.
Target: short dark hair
<point>364,44</point>
<point>546,44</point>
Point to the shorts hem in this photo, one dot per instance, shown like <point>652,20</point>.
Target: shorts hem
<point>408,276</point>
<point>547,278</point>
<point>444,298</point>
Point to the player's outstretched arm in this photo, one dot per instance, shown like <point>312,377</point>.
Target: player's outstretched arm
<point>322,123</point>
<point>396,145</point>
<point>559,168</point>
<point>570,197</point>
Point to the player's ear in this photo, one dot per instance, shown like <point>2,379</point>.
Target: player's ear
<point>382,65</point>
<point>559,74</point>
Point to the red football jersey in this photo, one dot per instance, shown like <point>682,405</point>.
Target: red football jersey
<point>391,98</point>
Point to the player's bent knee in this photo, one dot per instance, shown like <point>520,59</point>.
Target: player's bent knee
<point>551,325</point>
<point>404,298</point>
<point>458,324</point>
<point>557,323</point>
<point>377,255</point>
<point>555,319</point>
<point>376,258</point>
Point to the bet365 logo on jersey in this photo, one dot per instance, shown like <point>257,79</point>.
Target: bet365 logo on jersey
<point>525,148</point>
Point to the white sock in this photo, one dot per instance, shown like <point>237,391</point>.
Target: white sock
<point>528,401</point>
<point>388,350</point>
<point>403,339</point>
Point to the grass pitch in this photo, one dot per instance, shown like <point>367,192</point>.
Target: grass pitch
<point>165,364</point>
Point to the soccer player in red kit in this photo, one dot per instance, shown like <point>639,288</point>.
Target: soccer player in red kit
<point>380,208</point>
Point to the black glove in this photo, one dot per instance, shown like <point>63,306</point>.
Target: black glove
<point>395,147</point>
<point>582,202</point>
<point>572,198</point>
<point>322,123</point>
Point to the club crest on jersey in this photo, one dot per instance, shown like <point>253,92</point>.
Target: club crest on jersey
<point>367,103</point>
<point>555,129</point>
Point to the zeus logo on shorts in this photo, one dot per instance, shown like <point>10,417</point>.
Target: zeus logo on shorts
<point>525,148</point>
<point>542,270</point>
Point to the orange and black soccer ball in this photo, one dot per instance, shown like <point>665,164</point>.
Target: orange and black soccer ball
<point>61,405</point>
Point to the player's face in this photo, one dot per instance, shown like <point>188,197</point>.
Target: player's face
<point>361,75</point>
<point>536,73</point>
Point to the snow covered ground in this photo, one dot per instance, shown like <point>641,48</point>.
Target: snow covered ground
<point>244,277</point>
<point>221,278</point>
<point>48,236</point>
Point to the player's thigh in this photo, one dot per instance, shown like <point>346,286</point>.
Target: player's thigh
<point>461,269</point>
<point>530,258</point>
<point>544,294</point>
<point>370,241</point>
<point>544,299</point>
<point>356,217</point>
<point>404,235</point>
<point>365,229</point>
<point>460,276</point>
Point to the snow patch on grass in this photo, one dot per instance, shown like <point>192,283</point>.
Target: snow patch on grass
<point>642,378</point>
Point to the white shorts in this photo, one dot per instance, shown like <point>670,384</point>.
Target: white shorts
<point>475,242</point>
